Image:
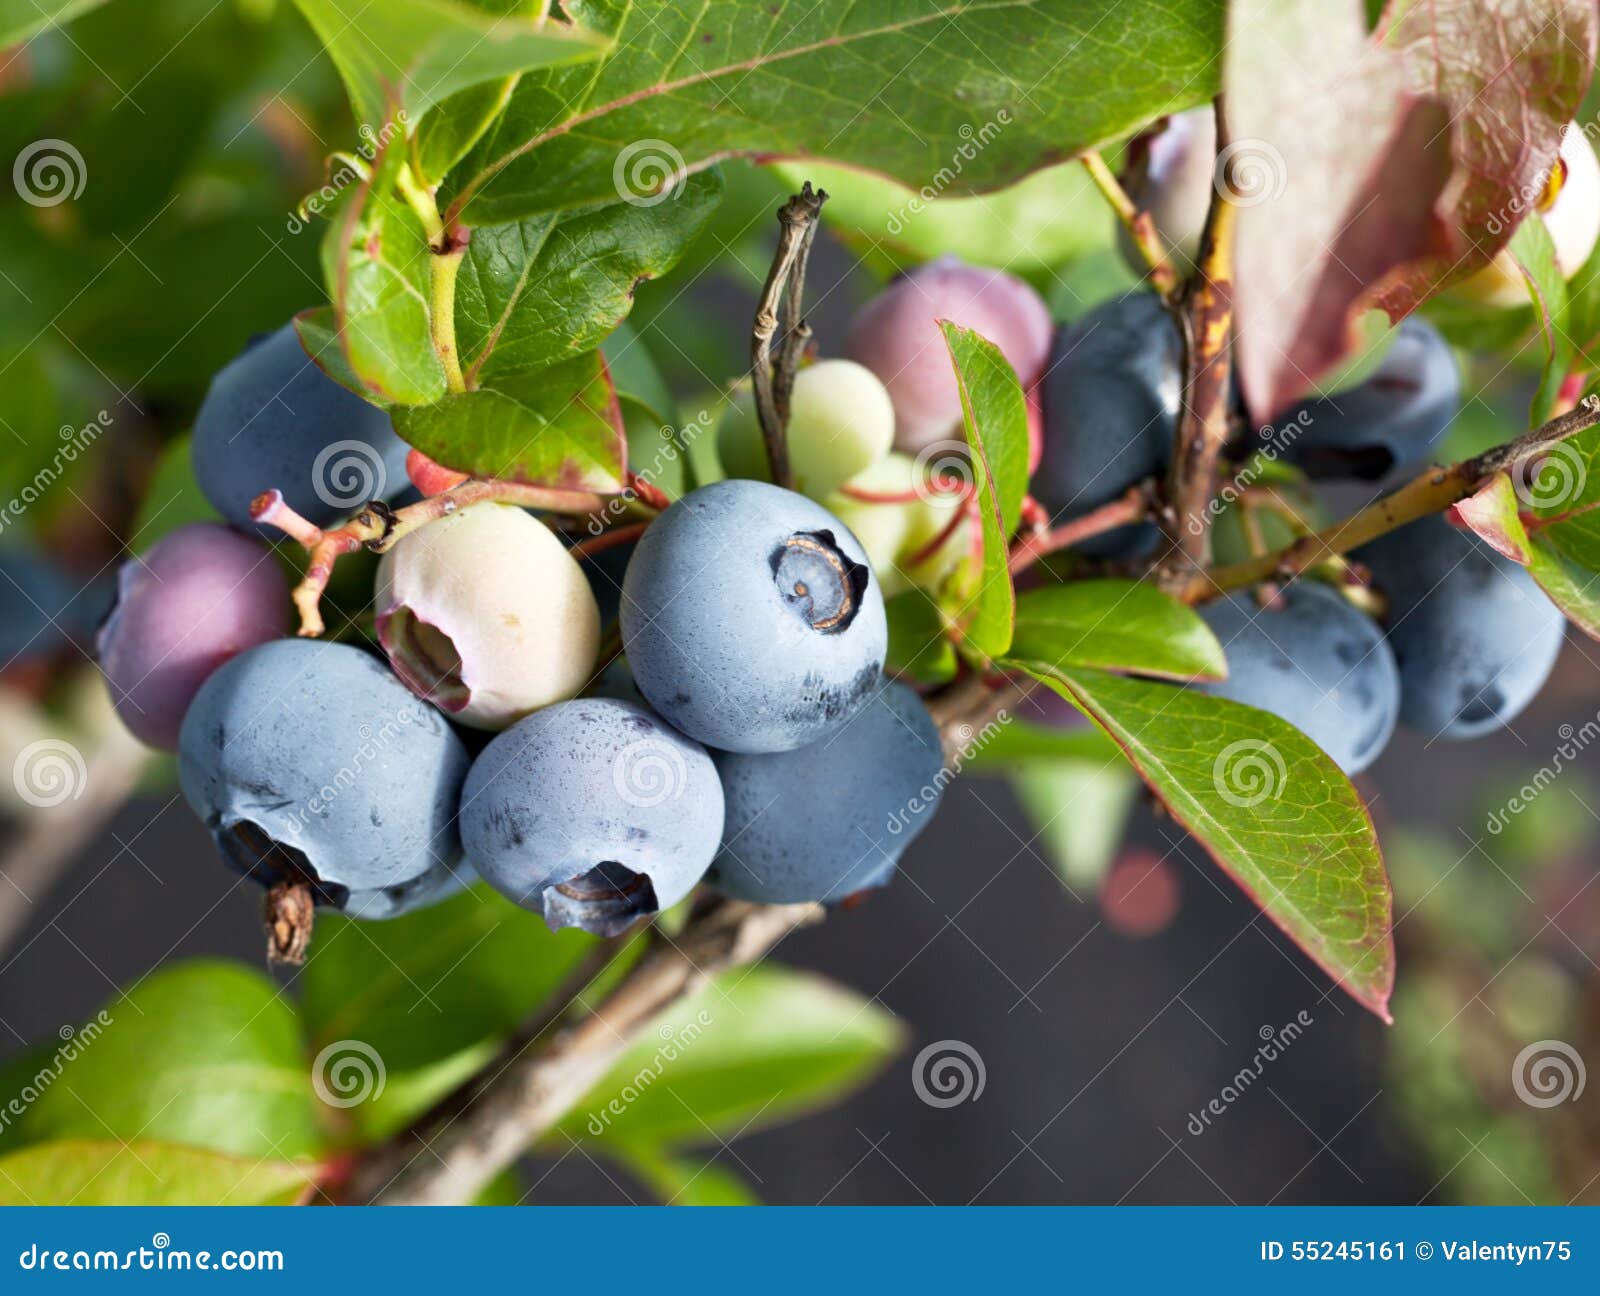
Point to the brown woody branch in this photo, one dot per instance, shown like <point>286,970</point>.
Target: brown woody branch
<point>780,318</point>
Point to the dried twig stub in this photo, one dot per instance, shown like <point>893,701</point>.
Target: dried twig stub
<point>780,319</point>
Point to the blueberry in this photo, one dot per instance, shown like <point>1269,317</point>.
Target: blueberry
<point>1475,638</point>
<point>34,600</point>
<point>273,420</point>
<point>202,595</point>
<point>1111,401</point>
<point>897,336</point>
<point>1396,418</point>
<point>1315,661</point>
<point>594,813</point>
<point>487,615</point>
<point>309,761</point>
<point>832,818</point>
<point>751,619</point>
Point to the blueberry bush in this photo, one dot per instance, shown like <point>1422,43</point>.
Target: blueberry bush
<point>1227,397</point>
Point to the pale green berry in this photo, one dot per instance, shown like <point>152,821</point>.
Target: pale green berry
<point>841,422</point>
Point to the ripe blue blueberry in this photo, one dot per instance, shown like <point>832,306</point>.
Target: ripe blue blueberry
<point>201,595</point>
<point>831,819</point>
<point>751,618</point>
<point>593,813</point>
<point>273,420</point>
<point>309,761</point>
<point>1315,661</point>
<point>34,599</point>
<point>1111,399</point>
<point>1475,638</point>
<point>1395,418</point>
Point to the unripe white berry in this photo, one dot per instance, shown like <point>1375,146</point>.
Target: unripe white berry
<point>487,615</point>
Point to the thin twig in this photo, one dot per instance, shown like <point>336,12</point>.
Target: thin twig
<point>1141,228</point>
<point>1429,492</point>
<point>1203,425</point>
<point>780,309</point>
<point>448,1161</point>
<point>1133,506</point>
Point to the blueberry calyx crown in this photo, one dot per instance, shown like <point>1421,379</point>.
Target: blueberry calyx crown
<point>819,581</point>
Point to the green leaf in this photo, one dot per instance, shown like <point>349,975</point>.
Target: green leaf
<point>1029,228</point>
<point>1269,806</point>
<point>21,19</point>
<point>204,1053</point>
<point>758,1045</point>
<point>634,373</point>
<point>1535,254</point>
<point>547,288</point>
<point>996,417</point>
<point>1117,625</point>
<point>432,993</point>
<point>106,1172</point>
<point>378,267</point>
<point>558,426</point>
<point>919,647</point>
<point>1550,523</point>
<point>840,79</point>
<point>407,55</point>
<point>687,1181</point>
<point>658,449</point>
<point>318,331</point>
<point>1019,744</point>
<point>454,126</point>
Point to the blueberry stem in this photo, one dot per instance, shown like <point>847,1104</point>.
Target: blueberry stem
<point>779,316</point>
<point>1141,228</point>
<point>449,248</point>
<point>1134,506</point>
<point>1429,492</point>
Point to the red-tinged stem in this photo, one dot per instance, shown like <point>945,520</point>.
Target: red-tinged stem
<point>608,540</point>
<point>649,493</point>
<point>938,542</point>
<point>1571,391</point>
<point>379,528</point>
<point>429,477</point>
<point>1130,508</point>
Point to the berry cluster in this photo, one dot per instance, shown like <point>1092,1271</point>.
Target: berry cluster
<point>754,636</point>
